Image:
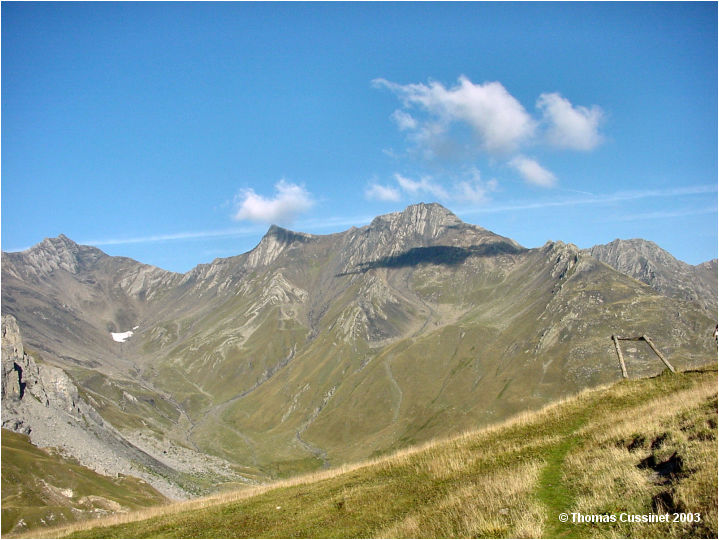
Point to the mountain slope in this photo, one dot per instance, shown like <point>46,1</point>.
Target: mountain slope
<point>639,447</point>
<point>41,488</point>
<point>314,350</point>
<point>647,262</point>
<point>43,402</point>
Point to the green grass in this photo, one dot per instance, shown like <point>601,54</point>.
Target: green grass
<point>509,480</point>
<point>553,491</point>
<point>40,487</point>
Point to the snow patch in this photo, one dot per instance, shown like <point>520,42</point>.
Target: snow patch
<point>121,337</point>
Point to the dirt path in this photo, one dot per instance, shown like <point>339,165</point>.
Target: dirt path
<point>391,378</point>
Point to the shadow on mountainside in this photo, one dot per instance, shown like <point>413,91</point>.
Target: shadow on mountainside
<point>439,255</point>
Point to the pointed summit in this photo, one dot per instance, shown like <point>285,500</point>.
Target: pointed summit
<point>274,242</point>
<point>424,220</point>
<point>431,211</point>
<point>60,243</point>
<point>55,253</point>
<point>646,261</point>
<point>284,235</point>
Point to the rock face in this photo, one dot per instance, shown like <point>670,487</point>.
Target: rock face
<point>317,349</point>
<point>650,264</point>
<point>24,383</point>
<point>12,353</point>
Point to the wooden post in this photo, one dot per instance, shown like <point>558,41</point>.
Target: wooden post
<point>646,338</point>
<point>621,358</point>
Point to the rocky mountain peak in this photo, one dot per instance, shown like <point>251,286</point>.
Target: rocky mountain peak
<point>646,261</point>
<point>275,241</point>
<point>52,254</point>
<point>423,220</point>
<point>61,242</point>
<point>286,236</point>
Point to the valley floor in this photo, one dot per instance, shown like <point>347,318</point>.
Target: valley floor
<point>637,448</point>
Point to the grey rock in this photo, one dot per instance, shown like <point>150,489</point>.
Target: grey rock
<point>647,262</point>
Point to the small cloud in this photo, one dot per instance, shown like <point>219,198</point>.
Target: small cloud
<point>404,120</point>
<point>382,193</point>
<point>474,190</point>
<point>533,172</point>
<point>289,201</point>
<point>575,128</point>
<point>470,189</point>
<point>424,185</point>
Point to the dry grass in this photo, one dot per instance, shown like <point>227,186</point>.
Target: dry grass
<point>495,505</point>
<point>607,477</point>
<point>496,482</point>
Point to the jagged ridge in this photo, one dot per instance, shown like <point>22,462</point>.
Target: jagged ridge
<point>315,349</point>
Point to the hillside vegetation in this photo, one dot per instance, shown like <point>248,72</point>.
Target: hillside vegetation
<point>40,487</point>
<point>311,351</point>
<point>638,447</point>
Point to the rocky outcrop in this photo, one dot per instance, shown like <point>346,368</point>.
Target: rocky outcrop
<point>13,359</point>
<point>24,379</point>
<point>43,402</point>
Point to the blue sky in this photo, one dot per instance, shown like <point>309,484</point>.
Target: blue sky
<point>175,133</point>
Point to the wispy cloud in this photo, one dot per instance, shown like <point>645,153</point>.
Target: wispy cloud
<point>533,172</point>
<point>378,192</point>
<point>665,214</point>
<point>474,191</point>
<point>333,224</point>
<point>467,188</point>
<point>159,238</point>
<point>289,201</point>
<point>595,199</point>
<point>423,185</point>
<point>156,238</point>
<point>404,120</point>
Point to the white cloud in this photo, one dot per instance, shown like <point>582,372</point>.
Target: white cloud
<point>576,128</point>
<point>533,172</point>
<point>470,189</point>
<point>404,120</point>
<point>289,201</point>
<point>468,119</point>
<point>424,185</point>
<point>382,193</point>
<point>474,190</point>
<point>500,121</point>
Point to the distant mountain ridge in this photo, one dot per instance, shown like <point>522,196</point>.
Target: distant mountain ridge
<point>312,350</point>
<point>647,262</point>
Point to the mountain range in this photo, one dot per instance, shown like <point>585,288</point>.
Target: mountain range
<point>314,350</point>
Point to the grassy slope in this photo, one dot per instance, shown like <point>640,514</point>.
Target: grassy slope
<point>511,480</point>
<point>478,343</point>
<point>39,487</point>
